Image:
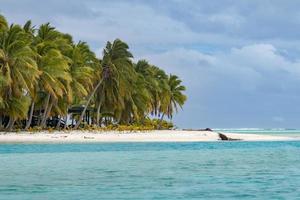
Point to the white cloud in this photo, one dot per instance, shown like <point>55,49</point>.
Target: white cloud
<point>254,76</point>
<point>248,65</point>
<point>132,23</point>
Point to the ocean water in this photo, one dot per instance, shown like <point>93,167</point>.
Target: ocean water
<point>207,170</point>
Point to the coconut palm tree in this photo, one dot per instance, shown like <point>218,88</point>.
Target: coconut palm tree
<point>136,105</point>
<point>119,76</point>
<point>43,72</point>
<point>160,91</point>
<point>55,78</point>
<point>176,98</point>
<point>3,26</point>
<point>30,30</point>
<point>83,63</point>
<point>3,23</point>
<point>152,86</point>
<point>19,72</point>
<point>82,70</point>
<point>116,66</point>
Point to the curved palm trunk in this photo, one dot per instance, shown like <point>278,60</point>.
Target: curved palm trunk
<point>98,115</point>
<point>87,104</point>
<point>10,124</point>
<point>66,119</point>
<point>43,124</point>
<point>45,110</point>
<point>58,123</point>
<point>28,123</point>
<point>1,121</point>
<point>161,120</point>
<point>39,118</point>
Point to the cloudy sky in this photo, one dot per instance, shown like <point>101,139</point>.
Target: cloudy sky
<point>238,59</point>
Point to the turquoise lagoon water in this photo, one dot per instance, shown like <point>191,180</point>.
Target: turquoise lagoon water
<point>207,170</point>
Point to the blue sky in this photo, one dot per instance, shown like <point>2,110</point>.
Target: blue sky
<point>238,59</point>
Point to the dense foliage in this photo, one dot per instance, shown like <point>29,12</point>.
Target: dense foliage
<point>44,74</point>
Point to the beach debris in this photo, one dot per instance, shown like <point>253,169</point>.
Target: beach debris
<point>224,137</point>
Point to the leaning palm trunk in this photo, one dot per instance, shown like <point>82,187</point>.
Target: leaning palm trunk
<point>160,121</point>
<point>58,123</point>
<point>28,123</point>
<point>66,119</point>
<point>43,124</point>
<point>10,124</point>
<point>1,121</point>
<point>87,104</point>
<point>45,110</point>
<point>98,115</point>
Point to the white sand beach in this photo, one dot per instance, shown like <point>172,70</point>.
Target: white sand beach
<point>149,136</point>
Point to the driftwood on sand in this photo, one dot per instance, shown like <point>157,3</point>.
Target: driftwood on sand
<point>224,137</point>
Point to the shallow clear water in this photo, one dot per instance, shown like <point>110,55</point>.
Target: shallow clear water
<point>208,170</point>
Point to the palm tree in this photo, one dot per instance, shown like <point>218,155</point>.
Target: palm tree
<point>30,30</point>
<point>137,103</point>
<point>45,71</point>
<point>3,26</point>
<point>160,91</point>
<point>176,98</point>
<point>18,70</point>
<point>116,66</point>
<point>3,23</point>
<point>148,73</point>
<point>118,75</point>
<point>82,70</point>
<point>55,78</point>
<point>83,63</point>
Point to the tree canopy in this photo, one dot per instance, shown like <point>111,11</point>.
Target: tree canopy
<point>44,74</point>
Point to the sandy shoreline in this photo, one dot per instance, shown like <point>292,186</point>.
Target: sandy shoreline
<point>150,136</point>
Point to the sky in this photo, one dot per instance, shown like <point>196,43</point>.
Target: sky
<point>240,60</point>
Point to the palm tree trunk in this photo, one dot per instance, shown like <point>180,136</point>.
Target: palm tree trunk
<point>58,123</point>
<point>43,124</point>
<point>30,116</point>
<point>162,117</point>
<point>10,124</point>
<point>98,114</point>
<point>66,119</point>
<point>1,121</point>
<point>87,104</point>
<point>160,121</point>
<point>39,118</point>
<point>45,110</point>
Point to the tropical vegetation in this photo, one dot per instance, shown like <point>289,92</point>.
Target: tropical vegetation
<point>48,80</point>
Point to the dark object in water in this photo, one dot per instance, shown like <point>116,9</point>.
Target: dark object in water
<point>224,137</point>
<point>208,129</point>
